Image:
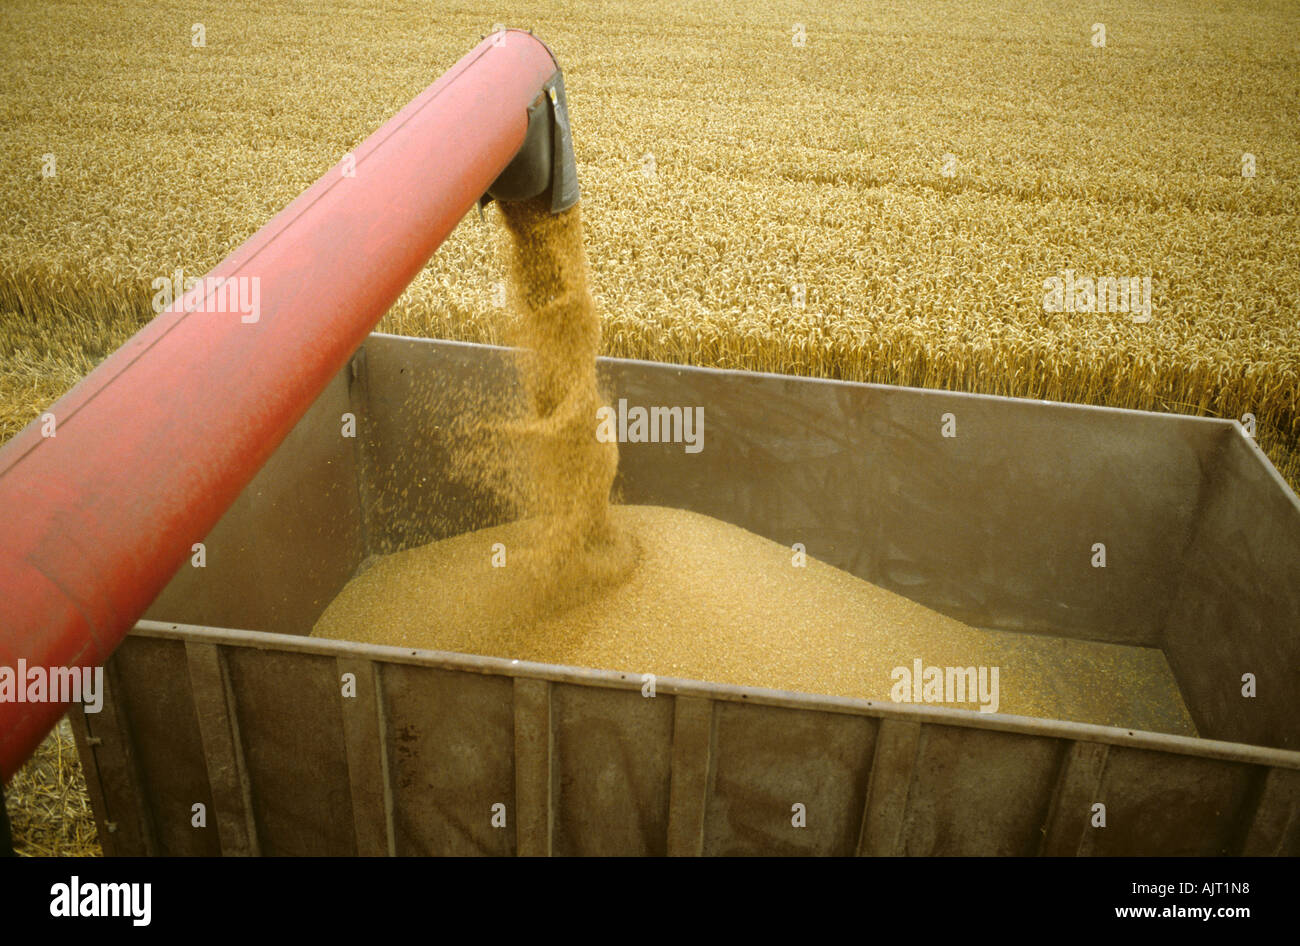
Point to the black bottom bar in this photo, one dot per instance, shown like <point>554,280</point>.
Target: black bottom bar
<point>950,896</point>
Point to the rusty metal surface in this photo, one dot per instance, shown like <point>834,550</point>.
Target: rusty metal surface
<point>451,759</point>
<point>447,753</point>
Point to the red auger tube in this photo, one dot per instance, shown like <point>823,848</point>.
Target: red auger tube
<point>150,449</point>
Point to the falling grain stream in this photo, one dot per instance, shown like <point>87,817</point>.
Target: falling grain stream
<point>577,580</point>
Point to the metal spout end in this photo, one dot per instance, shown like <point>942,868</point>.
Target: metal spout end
<point>546,160</point>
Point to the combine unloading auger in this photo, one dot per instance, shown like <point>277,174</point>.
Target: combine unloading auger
<point>102,500</point>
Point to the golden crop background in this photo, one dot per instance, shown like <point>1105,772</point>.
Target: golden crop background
<point>773,166</point>
<point>721,165</point>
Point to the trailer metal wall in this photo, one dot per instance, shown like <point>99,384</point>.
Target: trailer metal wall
<point>993,527</point>
<point>1237,609</point>
<point>292,539</point>
<point>581,762</point>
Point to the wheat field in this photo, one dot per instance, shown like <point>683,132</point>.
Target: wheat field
<point>862,190</point>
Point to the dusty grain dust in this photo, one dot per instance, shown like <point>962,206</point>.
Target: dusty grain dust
<point>539,454</point>
<point>711,601</point>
